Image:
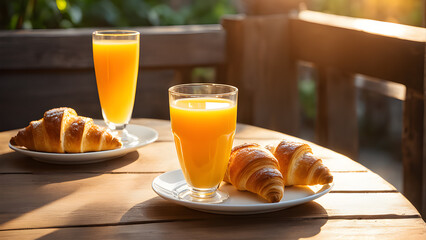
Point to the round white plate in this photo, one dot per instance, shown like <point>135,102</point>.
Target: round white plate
<point>146,135</point>
<point>239,202</point>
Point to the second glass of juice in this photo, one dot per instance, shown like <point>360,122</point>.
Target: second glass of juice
<point>203,119</point>
<point>116,60</point>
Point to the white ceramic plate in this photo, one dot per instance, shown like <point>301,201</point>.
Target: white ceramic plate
<point>239,202</point>
<point>146,135</point>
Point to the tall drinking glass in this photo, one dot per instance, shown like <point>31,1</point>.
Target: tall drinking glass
<point>203,119</point>
<point>116,59</point>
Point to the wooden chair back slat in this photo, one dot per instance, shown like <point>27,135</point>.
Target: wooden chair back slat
<point>342,46</point>
<point>342,43</point>
<point>161,47</point>
<point>336,123</point>
<point>258,61</point>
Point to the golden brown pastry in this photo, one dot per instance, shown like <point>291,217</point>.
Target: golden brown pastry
<point>62,130</point>
<point>252,167</point>
<point>298,165</point>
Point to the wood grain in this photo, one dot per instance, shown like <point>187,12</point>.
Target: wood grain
<point>412,152</point>
<point>227,229</point>
<point>385,88</point>
<point>337,120</point>
<point>362,182</point>
<point>340,42</point>
<point>259,65</point>
<point>161,47</point>
<point>349,46</point>
<point>59,200</point>
<point>114,199</point>
<point>161,155</point>
<point>48,89</point>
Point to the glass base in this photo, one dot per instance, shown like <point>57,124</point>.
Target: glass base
<point>204,195</point>
<point>120,131</point>
<point>126,138</point>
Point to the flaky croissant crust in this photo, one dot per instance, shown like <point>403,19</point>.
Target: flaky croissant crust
<point>61,130</point>
<point>299,165</point>
<point>253,168</point>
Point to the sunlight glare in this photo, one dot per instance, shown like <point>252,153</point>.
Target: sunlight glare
<point>401,31</point>
<point>61,4</point>
<point>383,28</point>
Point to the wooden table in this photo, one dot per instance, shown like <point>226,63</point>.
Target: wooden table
<point>114,199</point>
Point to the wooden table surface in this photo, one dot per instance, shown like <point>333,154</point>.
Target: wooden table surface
<point>114,200</point>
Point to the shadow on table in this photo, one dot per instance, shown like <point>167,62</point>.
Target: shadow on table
<point>160,219</point>
<point>38,188</point>
<point>17,163</point>
<point>293,223</point>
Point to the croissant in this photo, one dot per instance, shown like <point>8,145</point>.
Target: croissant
<point>252,167</point>
<point>62,130</point>
<point>298,165</point>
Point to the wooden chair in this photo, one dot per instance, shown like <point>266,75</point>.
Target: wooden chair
<point>341,47</point>
<point>264,49</point>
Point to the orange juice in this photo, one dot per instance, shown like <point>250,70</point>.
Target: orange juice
<point>203,130</point>
<point>116,66</point>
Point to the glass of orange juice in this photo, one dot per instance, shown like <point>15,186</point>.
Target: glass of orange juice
<point>116,59</point>
<point>203,119</point>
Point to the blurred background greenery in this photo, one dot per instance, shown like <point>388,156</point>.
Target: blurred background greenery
<point>33,14</point>
<point>42,14</point>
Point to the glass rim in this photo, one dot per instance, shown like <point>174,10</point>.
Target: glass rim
<point>116,33</point>
<point>172,90</point>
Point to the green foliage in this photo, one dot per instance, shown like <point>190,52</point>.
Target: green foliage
<point>32,14</point>
<point>307,97</point>
<point>27,14</point>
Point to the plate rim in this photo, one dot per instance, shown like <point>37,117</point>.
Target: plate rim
<point>88,157</point>
<point>238,209</point>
